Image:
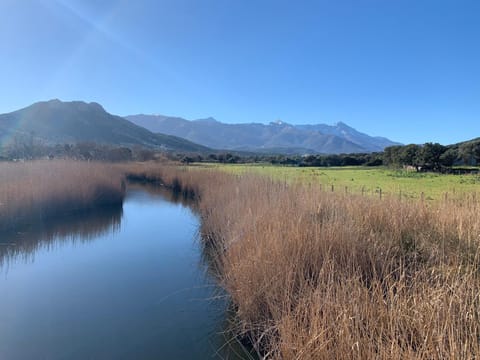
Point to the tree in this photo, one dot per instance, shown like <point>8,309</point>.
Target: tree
<point>333,160</point>
<point>119,154</point>
<point>431,153</point>
<point>86,150</point>
<point>187,160</point>
<point>410,155</point>
<point>144,154</point>
<point>350,161</point>
<point>448,157</point>
<point>391,155</point>
<point>212,157</point>
<point>470,152</point>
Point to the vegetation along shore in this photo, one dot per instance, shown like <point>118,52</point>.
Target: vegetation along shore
<point>37,190</point>
<point>311,273</point>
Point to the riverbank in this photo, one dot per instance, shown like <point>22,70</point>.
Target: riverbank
<point>126,282</point>
<point>311,274</point>
<point>320,275</point>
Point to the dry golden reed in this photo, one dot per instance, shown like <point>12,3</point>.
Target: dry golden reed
<point>311,274</point>
<point>37,190</point>
<point>321,275</point>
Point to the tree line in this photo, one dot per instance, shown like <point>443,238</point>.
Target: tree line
<point>433,156</point>
<point>28,148</point>
<point>426,157</point>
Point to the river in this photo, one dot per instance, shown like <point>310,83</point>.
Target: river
<point>122,283</point>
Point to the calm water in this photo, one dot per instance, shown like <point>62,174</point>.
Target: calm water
<point>119,284</point>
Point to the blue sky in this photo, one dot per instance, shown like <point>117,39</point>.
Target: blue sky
<point>405,69</point>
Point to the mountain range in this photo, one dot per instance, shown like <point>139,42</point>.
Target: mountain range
<point>57,122</point>
<point>275,137</point>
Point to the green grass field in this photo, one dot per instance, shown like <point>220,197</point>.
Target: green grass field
<point>408,185</point>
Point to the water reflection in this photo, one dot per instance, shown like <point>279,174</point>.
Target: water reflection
<point>227,344</point>
<point>80,227</point>
<point>140,286</point>
<point>160,191</point>
<point>76,227</point>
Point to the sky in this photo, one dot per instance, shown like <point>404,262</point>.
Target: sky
<point>405,69</point>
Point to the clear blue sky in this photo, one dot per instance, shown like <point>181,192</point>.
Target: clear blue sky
<point>405,69</point>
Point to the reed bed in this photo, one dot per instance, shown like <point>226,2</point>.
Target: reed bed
<point>319,275</point>
<point>311,274</point>
<point>36,191</point>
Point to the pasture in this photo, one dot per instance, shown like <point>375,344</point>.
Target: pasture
<point>367,180</point>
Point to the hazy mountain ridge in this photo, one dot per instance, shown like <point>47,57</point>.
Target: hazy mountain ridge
<point>58,122</point>
<point>318,138</point>
<point>376,143</point>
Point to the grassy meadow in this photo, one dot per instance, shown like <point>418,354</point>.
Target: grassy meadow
<point>311,273</point>
<point>367,180</point>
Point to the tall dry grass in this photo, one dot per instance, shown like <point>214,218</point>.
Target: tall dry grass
<point>38,190</point>
<point>321,275</point>
<point>311,274</point>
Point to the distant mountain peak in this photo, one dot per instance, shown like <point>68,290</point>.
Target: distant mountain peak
<point>341,124</point>
<point>208,120</point>
<point>277,136</point>
<point>96,106</point>
<point>52,101</point>
<point>60,122</point>
<point>279,123</point>
<point>57,103</point>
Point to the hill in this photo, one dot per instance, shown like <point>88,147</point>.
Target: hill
<point>277,137</point>
<point>58,122</point>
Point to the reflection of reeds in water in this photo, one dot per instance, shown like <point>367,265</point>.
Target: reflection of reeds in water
<point>159,190</point>
<point>228,345</point>
<point>40,190</point>
<point>78,226</point>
